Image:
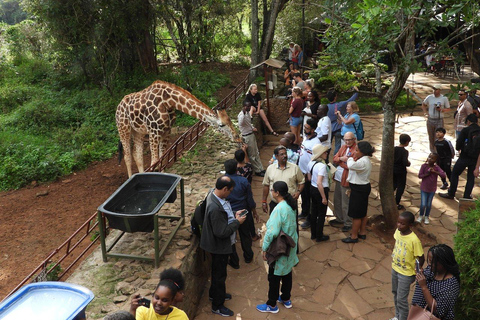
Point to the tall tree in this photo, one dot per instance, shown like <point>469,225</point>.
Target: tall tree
<point>360,30</point>
<point>109,34</point>
<point>265,30</point>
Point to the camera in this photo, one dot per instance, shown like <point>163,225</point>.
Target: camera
<point>144,302</point>
<point>437,105</point>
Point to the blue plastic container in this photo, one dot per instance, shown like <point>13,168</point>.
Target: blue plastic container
<point>47,301</point>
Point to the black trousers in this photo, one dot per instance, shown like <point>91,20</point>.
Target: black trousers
<point>219,276</point>
<point>251,224</point>
<point>306,201</point>
<point>399,183</point>
<point>318,213</point>
<point>246,242</point>
<point>274,286</point>
<point>446,165</point>
<point>458,168</point>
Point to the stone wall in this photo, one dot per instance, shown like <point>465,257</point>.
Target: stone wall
<point>279,114</point>
<point>196,270</point>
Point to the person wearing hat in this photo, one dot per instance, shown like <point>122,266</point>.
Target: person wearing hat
<point>320,177</point>
<point>433,108</point>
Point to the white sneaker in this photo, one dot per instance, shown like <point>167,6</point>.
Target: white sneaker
<point>419,219</point>
<point>427,221</point>
<point>394,318</point>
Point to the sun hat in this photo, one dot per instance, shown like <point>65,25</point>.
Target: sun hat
<point>318,150</point>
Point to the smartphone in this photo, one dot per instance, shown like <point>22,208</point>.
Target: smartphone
<point>144,302</point>
<point>243,213</point>
<point>417,265</point>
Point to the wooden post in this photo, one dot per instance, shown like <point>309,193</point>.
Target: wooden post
<point>267,89</point>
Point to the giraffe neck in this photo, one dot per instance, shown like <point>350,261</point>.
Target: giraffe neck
<point>197,109</point>
<point>187,103</point>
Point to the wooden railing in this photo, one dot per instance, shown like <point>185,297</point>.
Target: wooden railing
<point>66,253</point>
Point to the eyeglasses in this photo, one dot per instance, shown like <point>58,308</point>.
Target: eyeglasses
<point>462,94</point>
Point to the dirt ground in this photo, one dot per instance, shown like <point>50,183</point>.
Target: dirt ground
<point>35,220</point>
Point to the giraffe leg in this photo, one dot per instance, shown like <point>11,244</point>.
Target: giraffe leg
<point>163,146</point>
<point>125,134</point>
<point>154,145</point>
<point>138,150</point>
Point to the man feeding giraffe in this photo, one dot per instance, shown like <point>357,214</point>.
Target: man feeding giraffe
<point>152,111</point>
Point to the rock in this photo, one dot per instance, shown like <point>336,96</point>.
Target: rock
<point>41,194</point>
<point>183,243</point>
<point>131,279</point>
<point>180,255</point>
<point>119,299</point>
<point>108,308</point>
<point>124,288</point>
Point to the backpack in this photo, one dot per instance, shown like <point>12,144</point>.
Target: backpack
<point>359,132</point>
<point>472,144</point>
<point>198,216</point>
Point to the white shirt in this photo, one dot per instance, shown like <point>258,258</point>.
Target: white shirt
<point>245,123</point>
<point>320,169</point>
<point>359,171</point>
<point>306,153</point>
<point>431,101</point>
<point>324,127</point>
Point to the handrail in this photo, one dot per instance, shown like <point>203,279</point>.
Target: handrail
<point>173,153</point>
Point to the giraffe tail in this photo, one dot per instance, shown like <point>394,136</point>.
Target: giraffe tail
<point>120,152</point>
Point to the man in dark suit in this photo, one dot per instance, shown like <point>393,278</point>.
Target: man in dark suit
<point>218,235</point>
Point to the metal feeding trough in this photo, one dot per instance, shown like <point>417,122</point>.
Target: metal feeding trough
<point>135,207</point>
<point>47,301</point>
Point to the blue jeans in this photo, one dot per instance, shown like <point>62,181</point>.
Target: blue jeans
<point>426,203</point>
<point>401,289</point>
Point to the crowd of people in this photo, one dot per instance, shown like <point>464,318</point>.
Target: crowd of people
<point>301,163</point>
<point>300,169</point>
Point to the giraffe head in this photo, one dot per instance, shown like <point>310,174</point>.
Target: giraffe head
<point>223,123</point>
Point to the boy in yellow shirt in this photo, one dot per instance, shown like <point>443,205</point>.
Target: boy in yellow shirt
<point>407,249</point>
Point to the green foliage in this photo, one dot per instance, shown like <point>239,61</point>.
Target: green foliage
<point>368,70</point>
<point>467,254</point>
<point>53,271</point>
<point>11,12</point>
<point>327,78</point>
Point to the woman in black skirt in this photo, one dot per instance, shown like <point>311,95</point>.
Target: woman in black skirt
<point>360,168</point>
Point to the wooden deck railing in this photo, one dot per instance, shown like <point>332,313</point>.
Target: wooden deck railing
<point>76,246</point>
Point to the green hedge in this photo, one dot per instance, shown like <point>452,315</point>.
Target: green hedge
<point>467,253</point>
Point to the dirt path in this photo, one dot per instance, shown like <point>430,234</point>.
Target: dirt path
<point>37,219</point>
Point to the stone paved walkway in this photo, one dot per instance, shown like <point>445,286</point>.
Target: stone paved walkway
<point>334,280</point>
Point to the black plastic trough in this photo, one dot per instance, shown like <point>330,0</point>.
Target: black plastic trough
<point>131,208</point>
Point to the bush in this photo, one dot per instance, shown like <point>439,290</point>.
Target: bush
<point>368,70</point>
<point>467,253</point>
<point>327,78</point>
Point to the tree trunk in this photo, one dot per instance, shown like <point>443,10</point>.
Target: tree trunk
<point>473,53</point>
<point>254,57</point>
<point>402,72</point>
<point>269,22</point>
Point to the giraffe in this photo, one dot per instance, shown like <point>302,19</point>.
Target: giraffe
<point>152,111</point>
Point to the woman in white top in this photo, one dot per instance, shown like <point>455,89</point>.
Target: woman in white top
<point>320,179</point>
<point>360,168</point>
